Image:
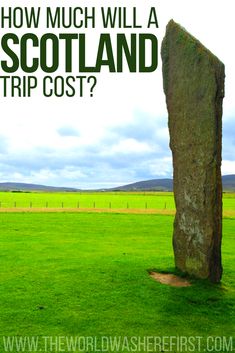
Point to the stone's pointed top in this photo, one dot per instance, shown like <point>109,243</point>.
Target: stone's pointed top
<point>175,29</point>
<point>184,46</point>
<point>173,23</point>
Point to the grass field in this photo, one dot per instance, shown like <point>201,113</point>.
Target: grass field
<point>85,274</point>
<point>101,200</point>
<point>87,200</point>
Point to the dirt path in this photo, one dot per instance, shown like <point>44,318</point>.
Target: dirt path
<point>96,210</point>
<point>80,210</point>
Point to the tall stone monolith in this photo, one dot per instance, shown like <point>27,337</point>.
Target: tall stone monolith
<point>194,88</point>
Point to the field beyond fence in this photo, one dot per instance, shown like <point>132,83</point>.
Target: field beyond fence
<point>132,202</point>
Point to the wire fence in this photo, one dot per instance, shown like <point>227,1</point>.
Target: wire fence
<point>85,205</point>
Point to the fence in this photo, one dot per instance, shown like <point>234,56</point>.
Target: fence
<point>80,205</point>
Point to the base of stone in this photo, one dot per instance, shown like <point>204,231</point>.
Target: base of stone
<point>170,279</point>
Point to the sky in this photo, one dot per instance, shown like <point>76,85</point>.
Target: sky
<point>119,135</point>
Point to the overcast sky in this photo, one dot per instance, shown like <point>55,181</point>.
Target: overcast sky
<point>119,135</point>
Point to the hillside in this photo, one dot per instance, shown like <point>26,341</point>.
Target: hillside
<point>33,187</point>
<point>229,182</point>
<point>167,185</point>
<point>152,185</point>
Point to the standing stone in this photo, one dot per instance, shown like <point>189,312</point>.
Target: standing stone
<point>194,87</point>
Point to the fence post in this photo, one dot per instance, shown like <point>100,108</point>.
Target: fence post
<point>94,205</point>
<point>31,204</point>
<point>127,205</point>
<point>165,205</point>
<point>62,205</point>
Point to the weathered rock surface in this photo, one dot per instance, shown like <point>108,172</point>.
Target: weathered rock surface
<point>194,87</point>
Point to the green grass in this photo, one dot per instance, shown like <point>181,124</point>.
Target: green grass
<point>154,200</point>
<point>86,274</point>
<point>87,200</point>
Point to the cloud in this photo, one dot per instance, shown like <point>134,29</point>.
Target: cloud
<point>124,153</point>
<point>228,167</point>
<point>229,139</point>
<point>3,144</point>
<point>67,131</point>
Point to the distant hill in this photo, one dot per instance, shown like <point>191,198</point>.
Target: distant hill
<point>229,182</point>
<point>167,185</point>
<point>33,187</point>
<point>146,185</point>
<point>154,184</point>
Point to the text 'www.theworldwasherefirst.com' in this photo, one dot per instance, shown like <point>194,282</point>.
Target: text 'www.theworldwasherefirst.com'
<point>180,344</point>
